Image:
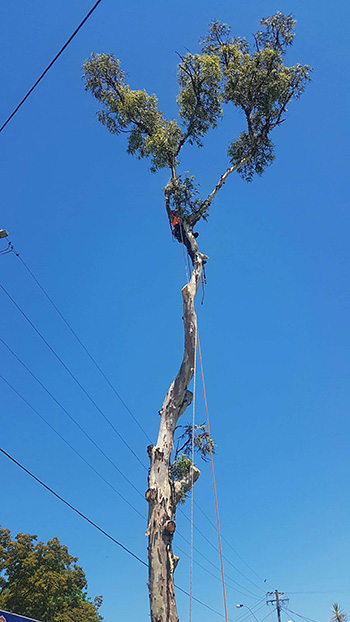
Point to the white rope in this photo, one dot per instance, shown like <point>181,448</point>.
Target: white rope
<point>193,423</point>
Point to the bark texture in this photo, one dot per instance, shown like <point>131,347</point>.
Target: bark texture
<point>163,494</point>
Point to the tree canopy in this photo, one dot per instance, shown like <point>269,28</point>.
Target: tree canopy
<point>43,581</point>
<point>227,71</point>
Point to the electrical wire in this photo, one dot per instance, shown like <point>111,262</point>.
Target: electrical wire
<point>104,375</point>
<point>50,65</point>
<point>247,592</point>
<point>69,415</point>
<point>93,524</point>
<point>52,350</point>
<point>321,591</point>
<point>234,550</point>
<point>255,608</point>
<point>225,558</point>
<point>93,442</point>
<point>135,419</point>
<point>218,578</point>
<point>69,505</point>
<point>71,446</point>
<point>298,614</point>
<point>252,610</point>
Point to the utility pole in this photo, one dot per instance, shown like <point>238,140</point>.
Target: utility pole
<point>278,601</point>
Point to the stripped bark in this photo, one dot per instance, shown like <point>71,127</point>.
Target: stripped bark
<point>163,494</point>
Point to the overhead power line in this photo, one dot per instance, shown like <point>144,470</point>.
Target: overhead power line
<point>59,312</point>
<point>96,445</point>
<point>69,415</point>
<point>84,347</point>
<point>216,549</point>
<point>232,548</point>
<point>335,591</point>
<point>69,505</point>
<point>218,578</point>
<point>73,376</point>
<point>50,65</point>
<point>299,615</point>
<point>72,447</point>
<point>247,591</point>
<point>93,524</point>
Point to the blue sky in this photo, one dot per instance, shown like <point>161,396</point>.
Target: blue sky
<point>90,223</point>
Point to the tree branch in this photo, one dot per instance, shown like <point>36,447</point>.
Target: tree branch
<point>203,208</point>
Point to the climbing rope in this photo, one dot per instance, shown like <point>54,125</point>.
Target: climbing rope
<point>185,253</point>
<point>192,487</point>
<point>213,474</point>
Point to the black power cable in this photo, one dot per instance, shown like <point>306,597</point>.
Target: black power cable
<point>70,416</point>
<point>139,425</point>
<point>93,524</point>
<point>72,447</point>
<point>53,351</point>
<point>50,65</point>
<point>84,348</point>
<point>132,415</point>
<point>93,442</point>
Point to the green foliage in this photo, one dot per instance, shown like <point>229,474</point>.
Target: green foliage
<point>134,112</point>
<point>278,32</point>
<point>182,463</point>
<point>259,83</point>
<point>183,193</point>
<point>228,71</point>
<point>179,469</point>
<point>202,441</point>
<point>43,581</point>
<point>240,151</point>
<point>200,97</point>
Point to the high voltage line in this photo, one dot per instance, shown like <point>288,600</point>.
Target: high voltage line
<point>299,615</point>
<point>225,558</point>
<point>92,467</point>
<point>85,349</point>
<point>50,65</point>
<point>69,415</point>
<point>73,376</point>
<point>72,447</point>
<point>93,524</point>
<point>230,545</point>
<point>95,404</point>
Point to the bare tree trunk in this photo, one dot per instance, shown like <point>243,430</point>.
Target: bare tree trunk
<point>163,494</point>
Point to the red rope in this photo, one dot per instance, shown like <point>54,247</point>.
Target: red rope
<point>214,484</point>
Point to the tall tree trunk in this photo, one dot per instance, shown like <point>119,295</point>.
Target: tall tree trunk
<point>163,494</point>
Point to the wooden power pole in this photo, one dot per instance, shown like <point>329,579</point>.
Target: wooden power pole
<point>277,600</point>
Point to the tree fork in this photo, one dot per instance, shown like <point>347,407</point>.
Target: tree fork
<point>163,494</point>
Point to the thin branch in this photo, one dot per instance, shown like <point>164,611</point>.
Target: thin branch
<point>203,208</point>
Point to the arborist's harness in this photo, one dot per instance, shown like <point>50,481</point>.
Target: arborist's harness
<point>175,221</point>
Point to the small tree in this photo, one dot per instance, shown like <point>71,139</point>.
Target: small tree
<point>43,581</point>
<point>258,83</point>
